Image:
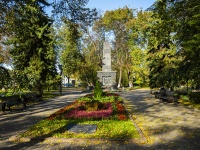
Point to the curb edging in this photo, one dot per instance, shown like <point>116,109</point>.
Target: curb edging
<point>60,140</point>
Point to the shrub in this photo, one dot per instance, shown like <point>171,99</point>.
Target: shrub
<point>185,97</point>
<point>85,98</point>
<point>177,95</point>
<point>95,105</point>
<point>138,83</point>
<point>98,92</point>
<point>195,97</point>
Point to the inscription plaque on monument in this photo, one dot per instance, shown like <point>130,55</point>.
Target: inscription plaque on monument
<point>106,80</point>
<point>84,128</point>
<point>107,77</point>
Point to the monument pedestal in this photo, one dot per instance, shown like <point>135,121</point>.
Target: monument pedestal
<point>107,77</point>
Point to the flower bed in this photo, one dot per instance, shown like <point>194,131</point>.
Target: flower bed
<point>107,113</point>
<point>62,111</point>
<point>121,111</point>
<point>74,111</point>
<point>77,113</point>
<point>104,94</point>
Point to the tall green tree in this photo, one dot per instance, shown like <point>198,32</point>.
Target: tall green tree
<point>32,50</point>
<point>138,30</point>
<point>75,11</point>
<point>182,19</point>
<point>4,72</point>
<point>79,52</point>
<point>90,64</point>
<point>4,54</point>
<point>115,22</point>
<point>4,78</point>
<point>187,15</point>
<point>68,45</point>
<point>162,51</point>
<point>77,18</point>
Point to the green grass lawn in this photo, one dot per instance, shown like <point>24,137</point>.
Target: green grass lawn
<point>185,100</point>
<point>46,96</point>
<point>105,129</point>
<point>108,113</point>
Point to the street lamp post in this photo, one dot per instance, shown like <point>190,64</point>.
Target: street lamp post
<point>60,67</point>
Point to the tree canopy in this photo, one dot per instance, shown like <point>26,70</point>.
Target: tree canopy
<point>159,46</point>
<point>177,50</point>
<point>29,35</point>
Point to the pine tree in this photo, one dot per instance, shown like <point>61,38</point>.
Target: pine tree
<point>32,43</point>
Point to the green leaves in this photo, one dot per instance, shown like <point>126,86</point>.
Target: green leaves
<point>32,43</point>
<point>98,92</point>
<point>4,78</point>
<point>75,11</point>
<point>68,42</point>
<point>173,45</point>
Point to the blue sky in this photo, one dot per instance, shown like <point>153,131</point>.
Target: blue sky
<point>115,4</point>
<point>104,5</point>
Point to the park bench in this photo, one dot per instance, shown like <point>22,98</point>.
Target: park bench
<point>11,101</point>
<point>160,93</point>
<point>2,104</point>
<point>31,97</point>
<point>167,96</point>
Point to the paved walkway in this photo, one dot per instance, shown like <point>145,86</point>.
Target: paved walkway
<point>165,126</point>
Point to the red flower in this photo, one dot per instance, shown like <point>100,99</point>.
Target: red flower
<point>77,113</point>
<point>121,111</point>
<point>74,111</point>
<point>61,111</point>
<point>122,117</point>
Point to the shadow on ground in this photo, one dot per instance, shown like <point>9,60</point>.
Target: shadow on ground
<point>165,125</point>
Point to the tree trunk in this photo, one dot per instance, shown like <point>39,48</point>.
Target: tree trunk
<point>130,82</point>
<point>68,81</point>
<point>40,90</point>
<point>120,77</point>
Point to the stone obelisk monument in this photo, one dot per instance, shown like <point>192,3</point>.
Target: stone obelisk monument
<point>107,77</point>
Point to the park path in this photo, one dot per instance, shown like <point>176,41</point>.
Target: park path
<point>16,122</point>
<point>164,125</point>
